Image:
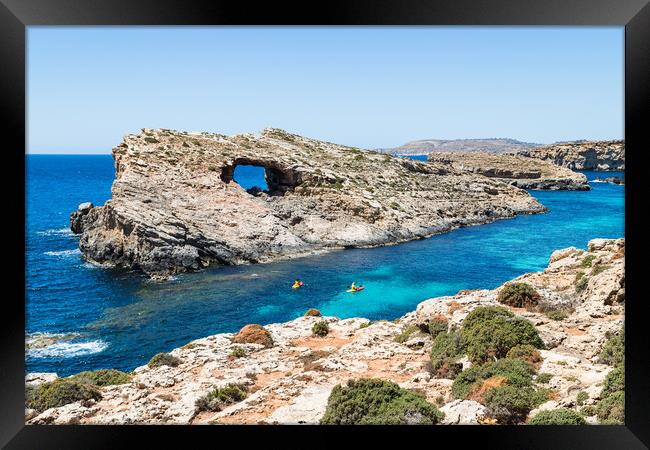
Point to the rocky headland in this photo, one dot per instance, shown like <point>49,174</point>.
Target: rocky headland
<point>543,350</point>
<point>175,206</point>
<point>520,171</point>
<point>582,155</point>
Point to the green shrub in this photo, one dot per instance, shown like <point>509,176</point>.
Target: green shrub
<point>444,350</point>
<point>526,353</point>
<point>151,140</point>
<point>58,393</point>
<point>163,359</point>
<point>511,404</point>
<point>320,328</point>
<point>312,312</point>
<point>237,352</point>
<point>581,398</point>
<point>516,373</point>
<point>561,416</point>
<point>518,295</point>
<point>406,333</point>
<point>614,382</point>
<point>611,409</point>
<point>102,377</point>
<point>437,325</point>
<point>589,410</point>
<point>489,332</point>
<point>613,352</point>
<point>543,378</point>
<point>598,269</point>
<point>220,397</point>
<point>557,314</point>
<point>377,402</point>
<point>587,261</point>
<point>581,283</point>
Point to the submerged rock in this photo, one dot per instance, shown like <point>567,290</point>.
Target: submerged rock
<point>582,155</point>
<point>175,206</point>
<point>520,171</point>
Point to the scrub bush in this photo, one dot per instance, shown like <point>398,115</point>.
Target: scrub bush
<point>253,334</point>
<point>312,312</point>
<point>613,352</point>
<point>377,402</point>
<point>490,332</point>
<point>515,372</point>
<point>406,333</point>
<point>518,295</point>
<point>526,353</point>
<point>60,392</point>
<point>163,359</point>
<point>320,328</point>
<point>220,397</point>
<point>511,404</point>
<point>444,350</point>
<point>102,377</point>
<point>561,416</point>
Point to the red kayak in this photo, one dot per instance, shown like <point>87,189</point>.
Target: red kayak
<point>360,288</point>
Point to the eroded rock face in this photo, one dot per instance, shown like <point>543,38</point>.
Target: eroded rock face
<point>291,381</point>
<point>582,155</point>
<point>520,171</point>
<point>175,206</point>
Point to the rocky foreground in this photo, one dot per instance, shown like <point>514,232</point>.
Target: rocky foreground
<point>520,171</point>
<point>288,375</point>
<point>176,208</point>
<point>582,155</point>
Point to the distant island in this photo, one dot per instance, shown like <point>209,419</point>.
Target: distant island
<point>491,145</point>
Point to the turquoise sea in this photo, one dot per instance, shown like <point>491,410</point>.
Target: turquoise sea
<point>107,318</point>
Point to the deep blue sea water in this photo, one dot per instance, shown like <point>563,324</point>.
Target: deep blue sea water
<point>120,319</point>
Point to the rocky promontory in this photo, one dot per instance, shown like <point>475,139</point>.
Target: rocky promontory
<point>546,347</point>
<point>175,206</point>
<point>582,155</point>
<point>520,171</point>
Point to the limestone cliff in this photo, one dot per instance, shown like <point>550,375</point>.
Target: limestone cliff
<point>290,380</point>
<point>175,206</point>
<point>520,171</point>
<point>583,155</point>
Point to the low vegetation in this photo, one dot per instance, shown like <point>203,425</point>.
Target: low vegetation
<point>444,352</point>
<point>526,353</point>
<point>561,416</point>
<point>237,352</point>
<point>218,398</point>
<point>312,312</point>
<point>320,328</point>
<point>518,295</point>
<point>406,333</point>
<point>163,359</point>
<point>489,332</point>
<point>102,377</point>
<point>58,393</point>
<point>437,325</point>
<point>253,334</point>
<point>378,402</point>
<point>613,352</point>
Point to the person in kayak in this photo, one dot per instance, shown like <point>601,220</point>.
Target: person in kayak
<point>353,286</point>
<point>297,283</point>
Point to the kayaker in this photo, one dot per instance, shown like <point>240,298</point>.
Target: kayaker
<point>297,283</point>
<point>353,286</point>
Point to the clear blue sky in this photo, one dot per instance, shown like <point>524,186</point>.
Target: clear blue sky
<point>368,87</point>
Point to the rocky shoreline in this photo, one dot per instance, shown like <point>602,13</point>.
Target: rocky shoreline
<point>285,373</point>
<point>176,208</point>
<point>582,155</point>
<point>520,171</point>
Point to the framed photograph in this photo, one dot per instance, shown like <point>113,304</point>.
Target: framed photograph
<point>371,217</point>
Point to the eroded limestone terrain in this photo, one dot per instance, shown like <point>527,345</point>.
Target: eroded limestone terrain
<point>582,155</point>
<point>520,171</point>
<point>175,206</point>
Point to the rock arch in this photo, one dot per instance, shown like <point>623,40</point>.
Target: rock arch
<point>279,179</point>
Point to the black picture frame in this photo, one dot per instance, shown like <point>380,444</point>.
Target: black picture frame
<point>16,15</point>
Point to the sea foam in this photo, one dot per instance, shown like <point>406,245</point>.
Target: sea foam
<point>68,349</point>
<point>64,253</point>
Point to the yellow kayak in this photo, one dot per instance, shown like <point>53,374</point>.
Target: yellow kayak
<point>356,290</point>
